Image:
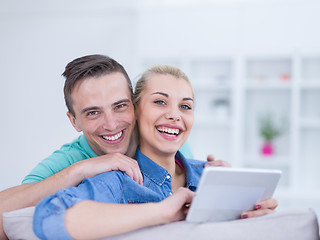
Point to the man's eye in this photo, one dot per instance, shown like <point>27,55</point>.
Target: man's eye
<point>161,102</point>
<point>186,107</point>
<point>93,113</point>
<point>120,106</point>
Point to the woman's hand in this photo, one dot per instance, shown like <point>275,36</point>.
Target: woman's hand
<point>262,208</point>
<point>216,163</point>
<point>175,207</point>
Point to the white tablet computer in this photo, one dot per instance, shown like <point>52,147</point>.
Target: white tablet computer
<point>224,193</point>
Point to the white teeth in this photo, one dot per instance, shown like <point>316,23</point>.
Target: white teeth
<point>169,130</point>
<point>114,137</point>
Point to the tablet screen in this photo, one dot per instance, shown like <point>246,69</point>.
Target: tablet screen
<point>224,193</point>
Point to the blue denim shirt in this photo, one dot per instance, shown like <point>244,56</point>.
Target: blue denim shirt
<point>111,187</point>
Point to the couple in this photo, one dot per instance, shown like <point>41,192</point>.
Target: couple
<point>163,102</point>
<point>98,95</point>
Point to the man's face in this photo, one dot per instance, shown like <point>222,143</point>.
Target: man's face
<point>104,112</point>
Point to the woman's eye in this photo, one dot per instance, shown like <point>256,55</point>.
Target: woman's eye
<point>161,102</point>
<point>186,107</point>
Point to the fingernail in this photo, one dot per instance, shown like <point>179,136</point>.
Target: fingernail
<point>244,216</point>
<point>257,207</point>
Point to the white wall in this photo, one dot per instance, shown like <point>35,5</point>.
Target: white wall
<point>235,28</point>
<point>38,38</point>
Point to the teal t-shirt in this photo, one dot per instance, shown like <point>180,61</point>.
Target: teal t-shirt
<point>68,154</point>
<point>71,153</point>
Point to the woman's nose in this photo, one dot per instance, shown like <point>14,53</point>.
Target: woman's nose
<point>173,115</point>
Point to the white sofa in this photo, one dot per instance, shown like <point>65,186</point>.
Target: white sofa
<point>295,224</point>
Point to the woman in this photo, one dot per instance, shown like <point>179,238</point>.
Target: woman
<point>164,108</point>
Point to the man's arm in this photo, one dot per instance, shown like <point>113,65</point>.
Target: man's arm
<point>30,194</point>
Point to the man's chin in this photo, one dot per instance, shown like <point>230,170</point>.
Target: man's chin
<point>119,149</point>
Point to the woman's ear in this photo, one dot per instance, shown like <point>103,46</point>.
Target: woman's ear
<point>73,121</point>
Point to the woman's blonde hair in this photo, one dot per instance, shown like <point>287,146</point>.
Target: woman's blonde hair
<point>157,69</point>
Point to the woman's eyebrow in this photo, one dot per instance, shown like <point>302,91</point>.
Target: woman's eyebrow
<point>167,95</point>
<point>161,93</point>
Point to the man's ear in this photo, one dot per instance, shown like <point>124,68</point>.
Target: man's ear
<point>73,122</point>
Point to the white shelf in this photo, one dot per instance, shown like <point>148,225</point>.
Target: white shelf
<point>212,87</point>
<point>266,161</point>
<point>205,122</point>
<point>310,85</point>
<point>310,123</point>
<point>269,86</point>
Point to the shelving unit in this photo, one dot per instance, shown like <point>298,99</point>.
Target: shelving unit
<point>268,93</point>
<point>213,81</point>
<point>309,123</point>
<point>232,93</point>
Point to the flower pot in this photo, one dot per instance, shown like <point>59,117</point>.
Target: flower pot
<point>267,149</point>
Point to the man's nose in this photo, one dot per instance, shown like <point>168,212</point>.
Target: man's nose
<point>110,122</point>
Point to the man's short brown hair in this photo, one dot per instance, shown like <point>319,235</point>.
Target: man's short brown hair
<point>87,67</point>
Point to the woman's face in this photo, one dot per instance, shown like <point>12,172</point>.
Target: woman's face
<point>164,114</point>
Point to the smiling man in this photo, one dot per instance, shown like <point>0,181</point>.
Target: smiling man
<point>98,95</point>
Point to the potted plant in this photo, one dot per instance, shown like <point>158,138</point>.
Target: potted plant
<point>269,132</point>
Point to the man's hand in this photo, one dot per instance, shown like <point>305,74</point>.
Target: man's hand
<point>175,207</point>
<point>216,163</point>
<point>110,162</point>
<point>262,208</point>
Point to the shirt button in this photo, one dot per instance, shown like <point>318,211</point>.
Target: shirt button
<point>170,193</point>
<point>168,176</point>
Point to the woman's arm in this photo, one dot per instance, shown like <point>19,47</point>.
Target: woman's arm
<point>30,194</point>
<point>91,219</point>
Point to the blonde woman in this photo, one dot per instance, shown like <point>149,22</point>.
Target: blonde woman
<point>105,204</point>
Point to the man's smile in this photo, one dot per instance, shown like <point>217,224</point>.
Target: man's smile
<point>113,137</point>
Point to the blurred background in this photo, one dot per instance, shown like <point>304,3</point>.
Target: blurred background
<point>254,65</point>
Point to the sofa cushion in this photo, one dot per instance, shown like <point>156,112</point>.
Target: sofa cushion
<point>299,224</point>
<point>286,224</point>
<point>18,224</point>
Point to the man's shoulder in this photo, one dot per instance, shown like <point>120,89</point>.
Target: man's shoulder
<point>75,145</point>
<point>60,159</point>
<point>76,150</point>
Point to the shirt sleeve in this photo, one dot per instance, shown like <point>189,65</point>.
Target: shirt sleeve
<point>48,220</point>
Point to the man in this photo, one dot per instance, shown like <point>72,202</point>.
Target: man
<point>104,114</point>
